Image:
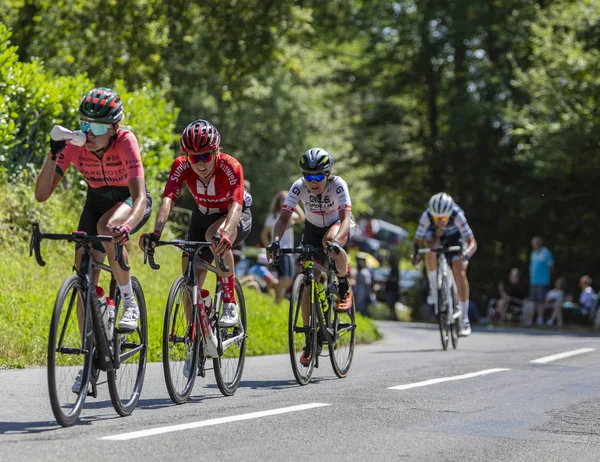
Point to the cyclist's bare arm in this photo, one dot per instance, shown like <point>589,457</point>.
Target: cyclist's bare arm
<point>345,220</point>
<point>471,247</point>
<point>281,225</point>
<point>137,189</point>
<point>163,214</point>
<point>47,180</point>
<point>298,215</point>
<point>232,219</point>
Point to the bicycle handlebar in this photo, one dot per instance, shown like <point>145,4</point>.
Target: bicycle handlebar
<point>308,250</point>
<point>186,246</point>
<point>79,237</point>
<point>442,249</point>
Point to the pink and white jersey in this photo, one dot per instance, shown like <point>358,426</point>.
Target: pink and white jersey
<point>121,163</point>
<point>321,210</point>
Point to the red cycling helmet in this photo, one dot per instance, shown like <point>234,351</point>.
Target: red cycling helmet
<point>199,137</point>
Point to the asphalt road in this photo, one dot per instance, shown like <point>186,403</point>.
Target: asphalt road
<point>516,410</point>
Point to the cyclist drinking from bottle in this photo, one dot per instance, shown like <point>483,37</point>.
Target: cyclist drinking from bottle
<point>329,220</point>
<point>444,222</point>
<point>222,214</point>
<point>117,201</point>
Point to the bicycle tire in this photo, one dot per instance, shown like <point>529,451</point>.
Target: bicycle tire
<point>234,356</point>
<point>455,327</point>
<point>344,333</point>
<point>442,313</point>
<point>66,415</point>
<point>178,341</point>
<point>128,346</point>
<point>301,336</point>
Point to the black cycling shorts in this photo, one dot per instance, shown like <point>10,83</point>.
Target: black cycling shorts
<point>313,236</point>
<point>99,201</point>
<point>200,223</point>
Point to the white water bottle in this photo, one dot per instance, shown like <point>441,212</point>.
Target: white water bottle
<point>207,300</point>
<point>110,308</point>
<point>102,305</point>
<point>60,133</point>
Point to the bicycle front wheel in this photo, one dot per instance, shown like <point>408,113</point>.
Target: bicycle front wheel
<point>302,331</point>
<point>443,313</point>
<point>180,343</point>
<point>455,327</point>
<point>125,383</point>
<point>229,367</point>
<point>341,351</point>
<point>66,357</point>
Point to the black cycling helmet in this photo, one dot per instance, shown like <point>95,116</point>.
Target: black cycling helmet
<point>101,105</point>
<point>316,160</point>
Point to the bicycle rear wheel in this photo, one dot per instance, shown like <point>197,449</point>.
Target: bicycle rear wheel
<point>344,332</point>
<point>180,341</point>
<point>125,383</point>
<point>66,357</point>
<point>442,315</point>
<point>229,367</point>
<point>302,336</point>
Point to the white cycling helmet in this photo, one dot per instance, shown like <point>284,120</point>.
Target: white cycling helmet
<point>441,205</point>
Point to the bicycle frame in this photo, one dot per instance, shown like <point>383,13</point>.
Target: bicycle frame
<point>444,274</point>
<point>211,340</point>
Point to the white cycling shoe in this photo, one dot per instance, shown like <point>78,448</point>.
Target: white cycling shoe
<point>131,314</point>
<point>465,329</point>
<point>432,297</point>
<point>229,318</point>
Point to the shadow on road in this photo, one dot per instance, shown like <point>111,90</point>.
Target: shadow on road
<point>405,351</point>
<point>280,384</point>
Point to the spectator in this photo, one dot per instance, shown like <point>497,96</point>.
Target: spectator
<point>541,266</point>
<point>587,299</point>
<point>266,280</point>
<point>512,294</point>
<point>286,262</point>
<point>392,295</point>
<point>554,300</point>
<point>362,287</point>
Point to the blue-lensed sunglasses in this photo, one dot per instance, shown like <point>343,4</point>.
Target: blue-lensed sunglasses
<point>96,128</point>
<point>318,177</point>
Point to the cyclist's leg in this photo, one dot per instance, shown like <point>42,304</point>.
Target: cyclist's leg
<point>432,241</point>
<point>341,261</point>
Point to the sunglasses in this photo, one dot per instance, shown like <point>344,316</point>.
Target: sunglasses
<point>441,218</point>
<point>96,128</point>
<point>317,177</point>
<point>197,158</point>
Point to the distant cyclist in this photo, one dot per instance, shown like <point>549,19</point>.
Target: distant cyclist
<point>444,222</point>
<point>329,220</point>
<point>222,213</point>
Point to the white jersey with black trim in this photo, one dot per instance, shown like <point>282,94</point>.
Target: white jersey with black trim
<point>456,220</point>
<point>321,210</point>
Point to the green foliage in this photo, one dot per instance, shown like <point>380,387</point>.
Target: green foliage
<point>28,294</point>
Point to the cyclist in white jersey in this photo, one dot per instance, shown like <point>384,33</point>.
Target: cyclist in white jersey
<point>328,211</point>
<point>445,222</point>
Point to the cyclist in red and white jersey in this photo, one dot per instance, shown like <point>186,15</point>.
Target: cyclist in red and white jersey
<point>222,213</point>
<point>445,222</point>
<point>329,221</point>
<point>117,201</point>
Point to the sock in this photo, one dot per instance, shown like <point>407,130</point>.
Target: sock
<point>126,290</point>
<point>432,276</point>
<point>228,284</point>
<point>464,307</point>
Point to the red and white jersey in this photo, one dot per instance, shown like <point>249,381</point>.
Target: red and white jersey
<point>225,186</point>
<point>321,210</point>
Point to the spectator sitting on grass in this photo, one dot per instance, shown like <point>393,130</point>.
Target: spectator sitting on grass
<point>554,300</point>
<point>512,294</point>
<point>266,280</point>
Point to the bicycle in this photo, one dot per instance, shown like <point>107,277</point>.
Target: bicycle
<point>447,297</point>
<point>325,324</point>
<point>84,343</point>
<point>189,328</point>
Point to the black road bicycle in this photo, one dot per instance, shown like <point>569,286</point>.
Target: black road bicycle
<point>192,332</point>
<point>325,324</point>
<point>447,309</point>
<point>82,344</point>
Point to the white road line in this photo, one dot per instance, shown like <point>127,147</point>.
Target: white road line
<point>566,354</point>
<point>446,379</point>
<point>207,423</point>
